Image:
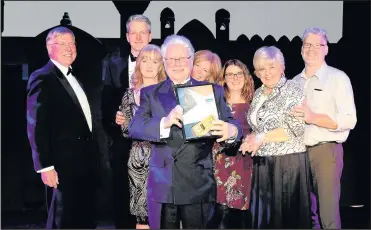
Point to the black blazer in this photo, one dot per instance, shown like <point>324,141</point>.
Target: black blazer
<point>115,84</point>
<point>179,172</point>
<point>57,129</point>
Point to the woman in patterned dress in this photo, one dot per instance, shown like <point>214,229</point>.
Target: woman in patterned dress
<point>233,170</point>
<point>280,183</point>
<point>149,70</point>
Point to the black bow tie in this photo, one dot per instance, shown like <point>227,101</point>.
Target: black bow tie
<point>174,86</point>
<point>70,71</point>
<point>132,58</point>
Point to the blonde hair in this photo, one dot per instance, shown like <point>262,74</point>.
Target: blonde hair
<point>148,51</point>
<point>213,58</point>
<point>248,88</point>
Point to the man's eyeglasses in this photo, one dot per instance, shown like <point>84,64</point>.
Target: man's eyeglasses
<point>231,75</point>
<point>64,44</point>
<point>315,46</point>
<point>171,61</point>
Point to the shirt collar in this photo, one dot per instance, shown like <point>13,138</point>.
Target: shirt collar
<point>320,73</point>
<point>184,81</point>
<point>62,68</point>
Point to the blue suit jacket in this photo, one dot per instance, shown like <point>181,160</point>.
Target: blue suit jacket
<point>179,172</point>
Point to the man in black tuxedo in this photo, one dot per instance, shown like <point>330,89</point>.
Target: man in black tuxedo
<point>181,184</point>
<point>117,80</point>
<point>60,130</point>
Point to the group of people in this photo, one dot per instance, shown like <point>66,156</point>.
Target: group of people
<point>276,161</point>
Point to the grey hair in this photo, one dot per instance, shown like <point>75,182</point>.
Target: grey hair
<point>316,31</point>
<point>58,31</point>
<point>177,39</point>
<point>270,53</point>
<point>139,18</point>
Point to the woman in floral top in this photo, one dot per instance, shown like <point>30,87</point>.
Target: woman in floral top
<point>232,169</point>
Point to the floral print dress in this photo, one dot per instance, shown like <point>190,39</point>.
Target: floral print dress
<point>232,170</point>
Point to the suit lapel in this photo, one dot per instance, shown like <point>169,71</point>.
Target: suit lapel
<point>63,80</point>
<point>166,97</point>
<point>124,77</point>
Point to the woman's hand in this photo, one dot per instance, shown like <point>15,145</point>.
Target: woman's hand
<point>252,143</point>
<point>120,119</point>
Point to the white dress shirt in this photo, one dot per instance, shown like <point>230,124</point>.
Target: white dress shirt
<point>81,96</point>
<point>131,69</point>
<point>329,91</point>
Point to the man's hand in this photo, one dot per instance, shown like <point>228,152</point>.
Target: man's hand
<point>303,112</point>
<point>251,143</point>
<point>223,129</point>
<point>120,119</point>
<point>174,117</point>
<point>50,178</point>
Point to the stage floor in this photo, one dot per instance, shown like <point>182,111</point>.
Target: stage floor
<point>355,218</point>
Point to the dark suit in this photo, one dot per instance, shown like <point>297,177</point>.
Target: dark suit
<point>59,136</point>
<point>116,83</point>
<point>180,173</point>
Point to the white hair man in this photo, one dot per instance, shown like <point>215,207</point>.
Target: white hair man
<point>181,185</point>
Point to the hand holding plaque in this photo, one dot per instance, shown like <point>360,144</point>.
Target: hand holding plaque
<point>199,110</point>
<point>224,130</point>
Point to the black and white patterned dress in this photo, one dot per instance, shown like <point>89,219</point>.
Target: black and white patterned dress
<point>138,163</point>
<point>280,182</point>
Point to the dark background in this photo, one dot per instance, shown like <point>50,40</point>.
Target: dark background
<point>22,189</point>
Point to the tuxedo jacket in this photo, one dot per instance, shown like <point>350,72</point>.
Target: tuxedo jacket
<point>116,82</point>
<point>58,132</point>
<point>179,172</point>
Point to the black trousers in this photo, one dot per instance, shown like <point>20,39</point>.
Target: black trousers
<point>230,218</point>
<point>193,216</point>
<point>71,208</point>
<point>120,184</point>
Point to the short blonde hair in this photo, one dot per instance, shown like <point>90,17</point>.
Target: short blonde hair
<point>270,53</point>
<point>248,88</point>
<point>56,32</point>
<point>213,58</point>
<point>148,51</point>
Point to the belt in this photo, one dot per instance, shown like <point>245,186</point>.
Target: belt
<point>322,143</point>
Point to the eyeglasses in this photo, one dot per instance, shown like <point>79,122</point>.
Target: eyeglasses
<point>315,46</point>
<point>231,75</point>
<point>183,60</point>
<point>64,44</point>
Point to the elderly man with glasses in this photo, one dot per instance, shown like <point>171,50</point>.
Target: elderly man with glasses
<point>181,184</point>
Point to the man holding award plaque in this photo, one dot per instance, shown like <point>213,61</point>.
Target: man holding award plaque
<point>182,118</point>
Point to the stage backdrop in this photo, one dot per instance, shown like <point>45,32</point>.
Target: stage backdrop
<point>231,29</point>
